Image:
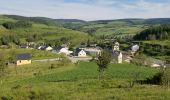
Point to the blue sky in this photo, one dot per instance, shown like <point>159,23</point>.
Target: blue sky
<point>87,9</point>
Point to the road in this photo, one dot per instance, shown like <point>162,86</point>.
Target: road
<point>76,59</point>
<point>73,59</point>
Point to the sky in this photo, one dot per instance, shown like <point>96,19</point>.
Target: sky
<point>87,9</point>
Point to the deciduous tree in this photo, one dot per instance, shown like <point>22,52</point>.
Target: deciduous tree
<point>103,61</point>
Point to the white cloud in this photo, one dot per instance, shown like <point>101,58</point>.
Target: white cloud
<point>86,9</point>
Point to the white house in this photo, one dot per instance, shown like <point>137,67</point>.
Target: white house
<point>80,53</point>
<point>48,48</point>
<point>92,50</point>
<point>134,48</point>
<point>39,47</point>
<point>63,50</point>
<point>157,63</point>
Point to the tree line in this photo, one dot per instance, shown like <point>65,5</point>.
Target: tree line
<point>10,38</point>
<point>161,32</point>
<point>18,24</point>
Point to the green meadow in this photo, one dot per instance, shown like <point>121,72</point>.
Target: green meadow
<point>78,82</point>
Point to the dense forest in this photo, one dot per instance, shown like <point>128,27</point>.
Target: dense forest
<point>9,38</point>
<point>18,24</point>
<point>161,32</point>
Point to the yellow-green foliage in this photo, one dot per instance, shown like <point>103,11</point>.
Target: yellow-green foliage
<point>80,82</point>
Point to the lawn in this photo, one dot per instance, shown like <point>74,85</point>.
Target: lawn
<point>79,82</point>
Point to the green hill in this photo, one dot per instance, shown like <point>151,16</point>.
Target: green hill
<point>119,27</point>
<point>44,28</point>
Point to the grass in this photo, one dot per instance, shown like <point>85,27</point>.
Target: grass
<point>36,54</point>
<point>80,82</point>
<point>158,42</point>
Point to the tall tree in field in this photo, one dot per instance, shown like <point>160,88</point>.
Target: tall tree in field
<point>103,61</point>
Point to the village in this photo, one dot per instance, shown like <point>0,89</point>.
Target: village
<point>85,53</point>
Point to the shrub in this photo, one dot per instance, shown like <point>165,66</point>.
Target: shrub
<point>165,80</point>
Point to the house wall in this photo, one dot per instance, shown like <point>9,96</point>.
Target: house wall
<point>82,54</point>
<point>120,58</point>
<point>65,51</point>
<point>49,49</point>
<point>23,62</point>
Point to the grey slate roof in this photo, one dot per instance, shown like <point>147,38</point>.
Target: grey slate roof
<point>76,51</point>
<point>58,48</point>
<point>23,57</point>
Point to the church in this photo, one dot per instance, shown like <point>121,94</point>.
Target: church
<point>117,54</point>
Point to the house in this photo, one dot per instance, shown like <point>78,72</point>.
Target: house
<point>22,59</point>
<point>80,53</point>
<point>39,47</point>
<point>24,46</point>
<point>62,49</point>
<point>47,48</point>
<point>134,48</point>
<point>157,63</point>
<point>92,50</point>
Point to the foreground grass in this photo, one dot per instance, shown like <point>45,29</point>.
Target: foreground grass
<point>80,82</point>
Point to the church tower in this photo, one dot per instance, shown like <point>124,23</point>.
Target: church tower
<point>116,47</point>
<point>117,53</point>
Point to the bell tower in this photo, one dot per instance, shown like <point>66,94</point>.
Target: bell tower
<point>116,46</point>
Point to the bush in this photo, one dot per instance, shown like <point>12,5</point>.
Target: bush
<point>165,80</point>
<point>6,98</point>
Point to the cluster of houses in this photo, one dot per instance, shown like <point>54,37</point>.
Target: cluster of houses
<point>78,52</point>
<point>84,51</point>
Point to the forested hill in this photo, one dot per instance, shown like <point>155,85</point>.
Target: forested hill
<point>161,32</point>
<point>118,27</point>
<point>20,30</point>
<point>44,20</point>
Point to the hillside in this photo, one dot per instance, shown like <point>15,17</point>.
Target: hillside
<point>155,42</point>
<point>119,27</point>
<point>46,30</point>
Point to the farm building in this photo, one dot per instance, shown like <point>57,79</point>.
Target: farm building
<point>22,59</point>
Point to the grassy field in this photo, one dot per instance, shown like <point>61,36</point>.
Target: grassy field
<point>36,54</point>
<point>78,82</point>
<point>163,42</point>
